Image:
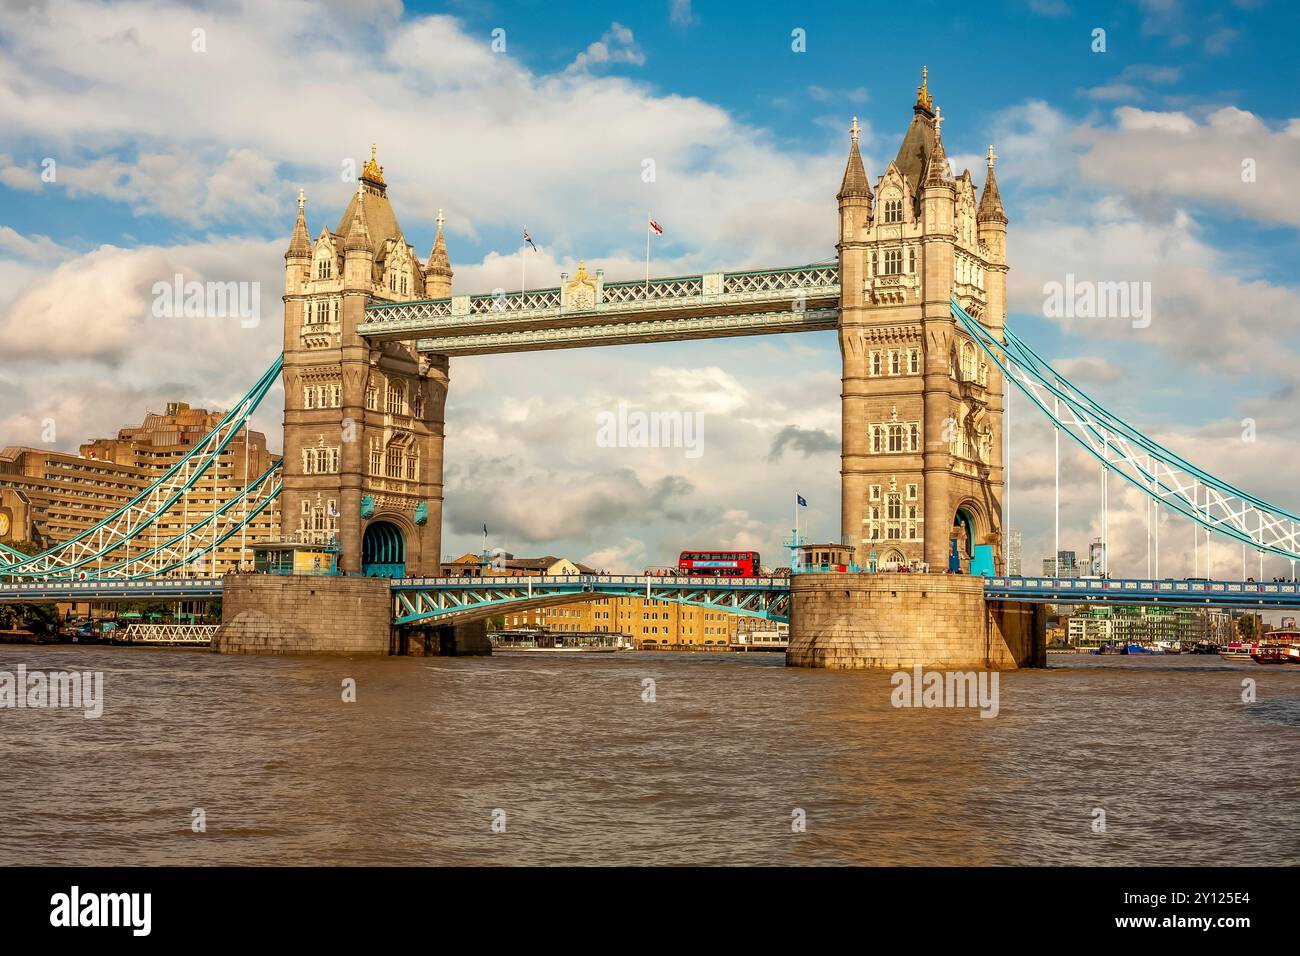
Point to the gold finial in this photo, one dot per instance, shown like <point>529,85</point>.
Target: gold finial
<point>923,98</point>
<point>992,157</point>
<point>372,171</point>
<point>854,130</point>
<point>302,198</point>
<point>938,123</point>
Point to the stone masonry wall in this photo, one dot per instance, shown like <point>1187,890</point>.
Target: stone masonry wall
<point>897,621</point>
<point>302,614</point>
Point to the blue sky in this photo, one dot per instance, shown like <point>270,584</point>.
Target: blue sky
<point>1116,165</point>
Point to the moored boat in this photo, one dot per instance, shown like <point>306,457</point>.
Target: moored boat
<point>1269,654</point>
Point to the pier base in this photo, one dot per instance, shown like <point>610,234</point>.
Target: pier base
<point>897,621</point>
<point>349,616</point>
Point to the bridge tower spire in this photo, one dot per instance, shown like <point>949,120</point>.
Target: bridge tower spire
<point>921,467</point>
<point>363,422</point>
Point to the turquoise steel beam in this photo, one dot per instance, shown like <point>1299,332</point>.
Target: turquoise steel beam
<point>141,513</point>
<point>1158,473</point>
<point>443,599</point>
<point>1143,591</point>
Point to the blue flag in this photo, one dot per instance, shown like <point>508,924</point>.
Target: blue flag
<point>799,498</point>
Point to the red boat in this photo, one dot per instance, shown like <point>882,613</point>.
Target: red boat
<point>1270,653</point>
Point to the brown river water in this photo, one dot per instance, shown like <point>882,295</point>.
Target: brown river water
<point>563,753</point>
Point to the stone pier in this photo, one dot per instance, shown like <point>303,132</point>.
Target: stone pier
<point>346,616</point>
<point>897,621</point>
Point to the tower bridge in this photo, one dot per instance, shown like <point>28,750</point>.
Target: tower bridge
<point>916,294</point>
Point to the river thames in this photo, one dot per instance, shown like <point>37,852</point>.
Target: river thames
<point>566,757</point>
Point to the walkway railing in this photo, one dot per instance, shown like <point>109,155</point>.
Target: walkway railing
<point>1144,591</point>
<point>197,634</point>
<point>713,293</point>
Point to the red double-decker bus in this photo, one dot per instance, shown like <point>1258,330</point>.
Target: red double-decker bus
<point>737,564</point>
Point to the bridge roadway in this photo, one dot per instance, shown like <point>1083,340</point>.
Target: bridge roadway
<point>461,599</point>
<point>587,311</point>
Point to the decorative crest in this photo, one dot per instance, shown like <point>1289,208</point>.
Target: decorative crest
<point>923,99</point>
<point>372,171</point>
<point>580,291</point>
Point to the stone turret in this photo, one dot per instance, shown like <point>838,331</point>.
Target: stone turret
<point>358,250</point>
<point>992,218</point>
<point>297,258</point>
<point>437,273</point>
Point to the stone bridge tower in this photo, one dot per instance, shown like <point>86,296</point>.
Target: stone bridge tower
<point>922,470</point>
<point>363,425</point>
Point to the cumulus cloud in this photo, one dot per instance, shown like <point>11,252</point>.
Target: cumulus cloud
<point>1232,160</point>
<point>618,45</point>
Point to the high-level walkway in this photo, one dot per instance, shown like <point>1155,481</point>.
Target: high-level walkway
<point>587,311</point>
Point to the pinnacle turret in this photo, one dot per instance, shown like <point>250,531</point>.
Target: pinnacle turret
<point>437,272</point>
<point>855,184</point>
<point>937,172</point>
<point>299,242</point>
<point>990,208</point>
<point>358,238</point>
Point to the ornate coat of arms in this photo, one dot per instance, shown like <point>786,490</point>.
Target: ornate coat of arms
<point>580,293</point>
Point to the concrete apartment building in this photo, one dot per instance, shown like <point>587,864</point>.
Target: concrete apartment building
<point>48,497</point>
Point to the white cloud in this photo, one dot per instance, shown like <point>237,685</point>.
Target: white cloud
<point>618,45</point>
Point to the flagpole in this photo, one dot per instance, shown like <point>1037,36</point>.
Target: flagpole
<point>523,267</point>
<point>647,252</point>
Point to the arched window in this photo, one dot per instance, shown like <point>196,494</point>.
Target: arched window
<point>967,362</point>
<point>324,268</point>
<point>396,403</point>
<point>893,210</point>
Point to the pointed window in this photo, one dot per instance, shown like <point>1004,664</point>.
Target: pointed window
<point>893,210</point>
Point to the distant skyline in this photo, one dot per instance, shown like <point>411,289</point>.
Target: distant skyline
<point>1125,165</point>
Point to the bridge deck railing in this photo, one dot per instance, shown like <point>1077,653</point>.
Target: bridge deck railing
<point>773,288</point>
